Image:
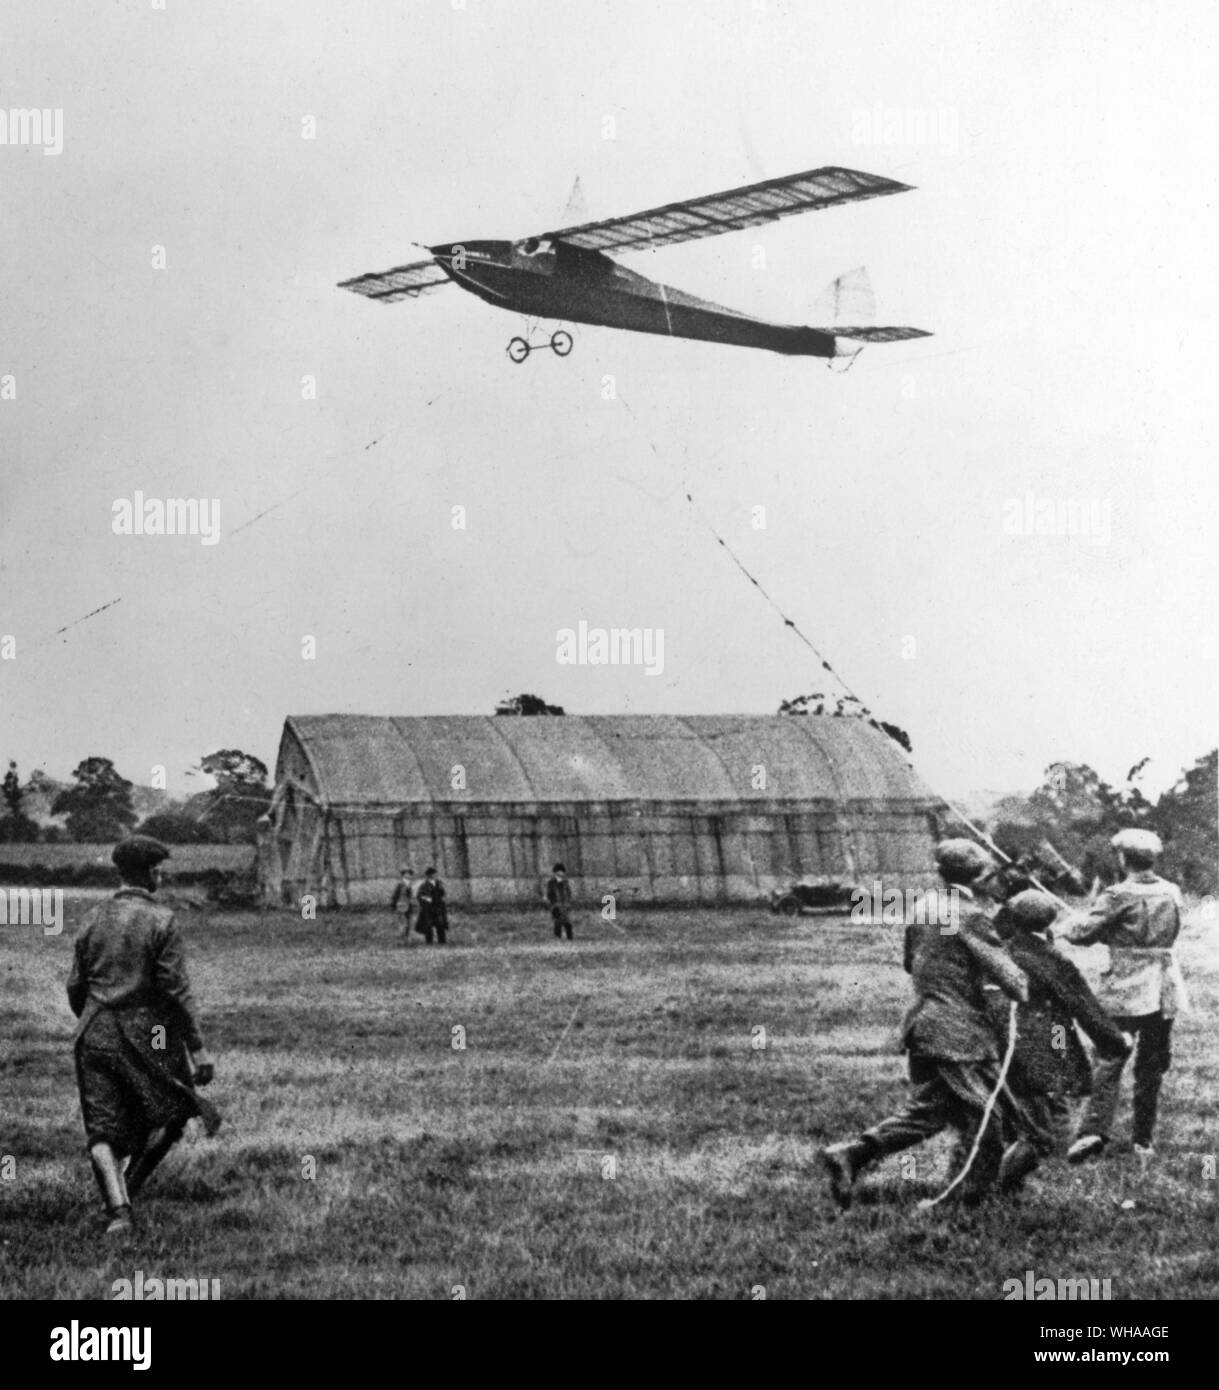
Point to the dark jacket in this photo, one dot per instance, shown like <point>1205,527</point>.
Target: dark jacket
<point>558,892</point>
<point>432,910</point>
<point>130,956</point>
<point>1049,1058</point>
<point>948,967</point>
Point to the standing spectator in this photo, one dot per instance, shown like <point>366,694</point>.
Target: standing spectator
<point>558,895</point>
<point>1139,919</point>
<point>403,904</point>
<point>433,914</point>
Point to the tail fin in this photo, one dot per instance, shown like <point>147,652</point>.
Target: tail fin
<point>848,299</point>
<point>847,309</point>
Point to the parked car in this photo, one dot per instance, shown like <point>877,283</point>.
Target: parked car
<point>812,895</point>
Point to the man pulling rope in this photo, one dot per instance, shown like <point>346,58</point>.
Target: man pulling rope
<point>953,1052</point>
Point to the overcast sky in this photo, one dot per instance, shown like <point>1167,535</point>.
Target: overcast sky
<point>1060,245</point>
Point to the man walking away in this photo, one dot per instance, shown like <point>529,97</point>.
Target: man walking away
<point>1139,920</point>
<point>1049,1066</point>
<point>433,913</point>
<point>953,1053</point>
<point>403,904</point>
<point>130,990</point>
<point>558,895</point>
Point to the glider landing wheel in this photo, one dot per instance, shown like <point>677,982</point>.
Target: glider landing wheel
<point>518,350</point>
<point>560,343</point>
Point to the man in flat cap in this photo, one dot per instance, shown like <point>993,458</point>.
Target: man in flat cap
<point>953,1052</point>
<point>1139,919</point>
<point>403,903</point>
<point>1049,1066</point>
<point>137,1022</point>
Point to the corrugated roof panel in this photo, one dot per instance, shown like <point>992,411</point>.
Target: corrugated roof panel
<point>374,760</point>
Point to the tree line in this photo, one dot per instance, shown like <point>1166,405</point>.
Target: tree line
<point>99,805</point>
<point>1076,812</point>
<point>1070,817</point>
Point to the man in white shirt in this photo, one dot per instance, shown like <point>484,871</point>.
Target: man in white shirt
<point>1139,920</point>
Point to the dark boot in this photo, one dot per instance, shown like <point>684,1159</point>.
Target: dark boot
<point>159,1144</point>
<point>843,1163</point>
<point>121,1223</point>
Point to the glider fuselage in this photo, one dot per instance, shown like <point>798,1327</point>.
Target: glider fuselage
<point>554,280</point>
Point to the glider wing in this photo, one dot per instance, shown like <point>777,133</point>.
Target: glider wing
<point>729,212</point>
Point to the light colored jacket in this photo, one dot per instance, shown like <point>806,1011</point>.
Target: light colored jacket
<point>1139,920</point>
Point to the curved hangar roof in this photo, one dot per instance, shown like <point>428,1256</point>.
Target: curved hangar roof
<point>363,760</point>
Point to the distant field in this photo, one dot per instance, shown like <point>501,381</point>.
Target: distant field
<point>636,1114</point>
<point>184,857</point>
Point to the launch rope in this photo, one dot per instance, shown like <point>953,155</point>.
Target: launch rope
<point>987,1111</point>
<point>976,830</point>
<point>791,623</point>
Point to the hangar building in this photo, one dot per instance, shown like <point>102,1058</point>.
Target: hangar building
<point>655,808</point>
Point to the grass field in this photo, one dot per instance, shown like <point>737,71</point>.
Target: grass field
<point>613,1128</point>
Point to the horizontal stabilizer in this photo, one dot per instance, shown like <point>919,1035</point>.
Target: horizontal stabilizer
<point>880,335</point>
<point>403,282</point>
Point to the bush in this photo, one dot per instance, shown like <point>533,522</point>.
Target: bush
<point>234,888</point>
<point>18,829</point>
<point>225,887</point>
<point>177,827</point>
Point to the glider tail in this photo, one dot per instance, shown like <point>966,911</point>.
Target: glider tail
<point>847,309</point>
<point>848,299</point>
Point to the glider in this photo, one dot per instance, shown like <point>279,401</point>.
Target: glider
<point>567,275</point>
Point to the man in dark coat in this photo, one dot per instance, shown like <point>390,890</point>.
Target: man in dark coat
<point>433,913</point>
<point>953,1052</point>
<point>1049,1066</point>
<point>137,1022</point>
<point>558,896</point>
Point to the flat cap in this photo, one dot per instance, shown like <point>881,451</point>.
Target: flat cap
<point>1145,841</point>
<point>963,857</point>
<point>1031,910</point>
<point>138,852</point>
